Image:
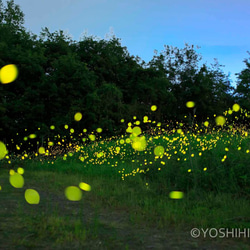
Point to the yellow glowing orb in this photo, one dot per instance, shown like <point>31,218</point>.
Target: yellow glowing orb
<point>73,193</point>
<point>206,123</point>
<point>85,186</point>
<point>220,120</point>
<point>20,171</point>
<point>190,104</point>
<point>78,116</point>
<point>8,73</point>
<point>16,180</point>
<point>99,130</point>
<point>139,143</point>
<point>176,195</point>
<point>153,107</point>
<point>32,136</point>
<point>41,150</point>
<point>32,196</point>
<point>12,172</point>
<point>136,131</point>
<point>129,130</point>
<point>92,137</point>
<point>236,107</point>
<point>3,150</point>
<point>145,119</point>
<point>159,150</point>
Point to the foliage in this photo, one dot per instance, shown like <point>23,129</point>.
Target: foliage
<point>99,78</point>
<point>243,86</point>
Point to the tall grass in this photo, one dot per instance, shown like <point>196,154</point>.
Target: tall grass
<point>212,170</point>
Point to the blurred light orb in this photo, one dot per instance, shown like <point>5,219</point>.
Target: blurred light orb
<point>236,107</point>
<point>78,116</point>
<point>16,180</point>
<point>159,151</point>
<point>220,120</point>
<point>190,104</point>
<point>3,150</point>
<point>85,186</point>
<point>8,73</point>
<point>73,193</point>
<point>176,195</point>
<point>32,196</point>
<point>153,107</point>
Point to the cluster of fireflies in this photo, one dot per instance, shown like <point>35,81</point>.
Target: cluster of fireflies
<point>172,145</point>
<point>72,193</point>
<point>142,149</point>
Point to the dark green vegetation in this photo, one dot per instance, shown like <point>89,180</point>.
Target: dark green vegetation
<point>59,77</point>
<point>129,205</point>
<point>127,208</point>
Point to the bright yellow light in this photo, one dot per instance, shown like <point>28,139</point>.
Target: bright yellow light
<point>139,143</point>
<point>153,107</point>
<point>220,120</point>
<point>176,195</point>
<point>85,186</point>
<point>12,172</point>
<point>136,131</point>
<point>41,150</point>
<point>3,150</point>
<point>206,123</point>
<point>99,130</point>
<point>16,180</point>
<point>159,151</point>
<point>78,116</point>
<point>190,104</point>
<point>92,137</point>
<point>20,171</point>
<point>32,136</point>
<point>236,107</point>
<point>145,119</point>
<point>8,73</point>
<point>32,196</point>
<point>73,193</point>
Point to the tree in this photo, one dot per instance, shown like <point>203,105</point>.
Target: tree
<point>208,87</point>
<point>11,16</point>
<point>242,92</point>
<point>67,81</point>
<point>16,48</point>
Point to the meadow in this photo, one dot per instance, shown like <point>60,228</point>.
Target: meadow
<point>139,190</point>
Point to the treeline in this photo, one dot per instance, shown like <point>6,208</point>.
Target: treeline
<point>99,78</point>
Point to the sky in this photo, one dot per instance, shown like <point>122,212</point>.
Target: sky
<point>219,27</point>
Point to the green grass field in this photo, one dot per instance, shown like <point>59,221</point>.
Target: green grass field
<point>148,190</point>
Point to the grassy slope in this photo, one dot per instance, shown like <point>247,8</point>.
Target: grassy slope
<point>126,208</point>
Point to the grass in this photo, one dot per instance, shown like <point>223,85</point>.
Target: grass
<point>129,204</point>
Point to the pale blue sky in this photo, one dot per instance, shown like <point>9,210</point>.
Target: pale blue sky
<point>220,27</point>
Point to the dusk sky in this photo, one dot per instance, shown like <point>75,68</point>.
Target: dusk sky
<point>219,27</point>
